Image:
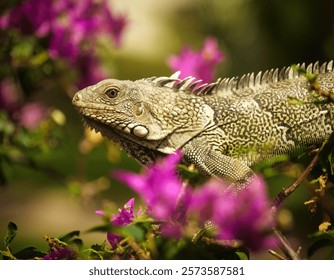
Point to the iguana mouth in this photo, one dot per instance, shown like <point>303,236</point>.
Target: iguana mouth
<point>103,128</point>
<point>123,132</point>
<point>96,126</point>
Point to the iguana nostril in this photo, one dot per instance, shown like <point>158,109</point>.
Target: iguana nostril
<point>77,97</point>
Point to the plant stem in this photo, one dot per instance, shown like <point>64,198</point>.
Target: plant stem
<point>286,192</point>
<point>285,247</point>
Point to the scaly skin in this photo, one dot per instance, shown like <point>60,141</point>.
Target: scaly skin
<point>223,128</point>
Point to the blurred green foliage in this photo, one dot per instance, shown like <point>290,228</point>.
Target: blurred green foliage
<point>254,34</point>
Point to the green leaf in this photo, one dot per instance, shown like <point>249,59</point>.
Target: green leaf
<point>187,172</point>
<point>135,232</point>
<point>11,233</point>
<point>29,253</point>
<point>320,240</point>
<point>23,50</point>
<point>68,236</point>
<point>101,228</point>
<point>7,254</point>
<point>39,58</point>
<point>295,101</point>
<point>326,156</point>
<point>96,252</point>
<point>6,126</point>
<point>77,242</point>
<point>242,255</point>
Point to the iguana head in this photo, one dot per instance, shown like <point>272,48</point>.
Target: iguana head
<point>155,112</point>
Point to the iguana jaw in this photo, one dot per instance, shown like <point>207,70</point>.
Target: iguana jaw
<point>168,145</point>
<point>121,138</point>
<point>142,154</point>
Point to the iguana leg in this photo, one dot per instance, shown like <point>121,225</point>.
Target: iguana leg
<point>213,162</point>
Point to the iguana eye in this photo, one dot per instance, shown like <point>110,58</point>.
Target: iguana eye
<point>111,92</point>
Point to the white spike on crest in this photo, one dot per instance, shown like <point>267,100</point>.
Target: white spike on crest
<point>176,75</point>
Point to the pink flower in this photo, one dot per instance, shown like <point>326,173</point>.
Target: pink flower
<point>84,22</point>
<point>64,253</point>
<point>31,115</point>
<point>9,95</point>
<point>30,19</point>
<point>69,29</point>
<point>28,115</point>
<point>162,189</point>
<point>123,218</point>
<point>90,70</point>
<point>83,19</point>
<point>199,64</point>
<point>243,215</point>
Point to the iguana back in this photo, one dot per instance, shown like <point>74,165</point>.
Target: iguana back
<point>274,115</point>
<point>222,128</point>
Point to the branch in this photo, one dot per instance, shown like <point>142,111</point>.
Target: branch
<point>285,193</point>
<point>285,247</point>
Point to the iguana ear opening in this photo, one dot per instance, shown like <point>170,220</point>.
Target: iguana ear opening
<point>138,109</point>
<point>145,120</point>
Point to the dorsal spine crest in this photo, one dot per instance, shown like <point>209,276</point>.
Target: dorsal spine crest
<point>192,85</point>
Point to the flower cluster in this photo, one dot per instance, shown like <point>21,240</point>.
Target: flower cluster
<point>70,28</point>
<point>63,253</point>
<point>123,218</point>
<point>243,215</point>
<point>199,64</point>
<point>66,30</point>
<point>29,115</point>
<point>165,195</point>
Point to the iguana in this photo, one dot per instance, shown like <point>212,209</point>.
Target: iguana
<point>223,128</point>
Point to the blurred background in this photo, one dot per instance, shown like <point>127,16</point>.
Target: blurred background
<point>54,174</point>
